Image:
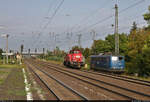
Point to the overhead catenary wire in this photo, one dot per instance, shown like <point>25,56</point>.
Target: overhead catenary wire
<point>53,15</point>
<point>110,16</point>
<point>51,18</point>
<point>40,25</point>
<point>122,28</point>
<point>50,7</point>
<point>123,10</point>
<point>111,30</point>
<point>90,15</point>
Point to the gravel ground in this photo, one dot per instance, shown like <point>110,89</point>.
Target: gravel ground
<point>86,89</point>
<point>39,91</point>
<point>59,90</point>
<point>129,85</point>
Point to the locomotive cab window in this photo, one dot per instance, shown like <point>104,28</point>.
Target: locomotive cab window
<point>120,58</point>
<point>76,52</point>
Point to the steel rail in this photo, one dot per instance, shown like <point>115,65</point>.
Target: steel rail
<point>114,92</point>
<point>63,84</point>
<point>66,86</point>
<point>133,80</point>
<point>44,83</point>
<point>136,92</point>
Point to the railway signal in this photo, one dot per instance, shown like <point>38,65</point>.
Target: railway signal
<point>22,47</point>
<point>29,51</point>
<point>35,50</point>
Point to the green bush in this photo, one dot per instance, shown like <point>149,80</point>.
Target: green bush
<point>143,62</point>
<point>54,58</point>
<point>140,64</point>
<point>130,69</point>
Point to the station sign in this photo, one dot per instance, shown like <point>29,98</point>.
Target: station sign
<point>8,54</point>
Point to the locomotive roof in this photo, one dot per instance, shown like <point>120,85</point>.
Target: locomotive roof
<point>104,55</point>
<point>74,50</point>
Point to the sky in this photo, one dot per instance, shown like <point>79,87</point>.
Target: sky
<point>48,23</point>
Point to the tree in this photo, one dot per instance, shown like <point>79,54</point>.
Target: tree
<point>86,52</point>
<point>100,46</point>
<point>139,52</point>
<point>58,52</point>
<point>147,42</point>
<point>147,16</point>
<point>1,51</point>
<point>134,26</point>
<point>78,48</point>
<point>123,41</point>
<point>111,41</point>
<point>143,62</point>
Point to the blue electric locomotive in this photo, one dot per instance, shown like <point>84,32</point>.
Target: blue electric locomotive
<point>107,63</point>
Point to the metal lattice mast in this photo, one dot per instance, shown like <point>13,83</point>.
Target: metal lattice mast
<point>7,47</point>
<point>79,40</point>
<point>93,35</point>
<point>69,37</point>
<point>116,31</point>
<point>93,38</point>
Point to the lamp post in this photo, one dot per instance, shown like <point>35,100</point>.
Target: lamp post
<point>7,47</point>
<point>6,35</point>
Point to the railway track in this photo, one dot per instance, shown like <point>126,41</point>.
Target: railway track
<point>117,95</point>
<point>62,91</point>
<point>120,77</point>
<point>46,85</point>
<point>136,95</point>
<point>115,76</point>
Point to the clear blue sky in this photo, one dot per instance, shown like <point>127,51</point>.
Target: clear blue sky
<point>23,20</point>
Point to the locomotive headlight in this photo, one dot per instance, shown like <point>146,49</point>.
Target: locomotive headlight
<point>77,56</point>
<point>114,58</point>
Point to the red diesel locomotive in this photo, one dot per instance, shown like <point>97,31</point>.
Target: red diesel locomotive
<point>74,59</point>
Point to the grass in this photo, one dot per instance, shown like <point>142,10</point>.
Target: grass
<point>1,81</point>
<point>11,61</point>
<point>17,92</point>
<point>15,85</point>
<point>3,74</point>
<point>10,66</point>
<point>55,62</point>
<point>52,61</point>
<point>54,58</point>
<point>20,92</point>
